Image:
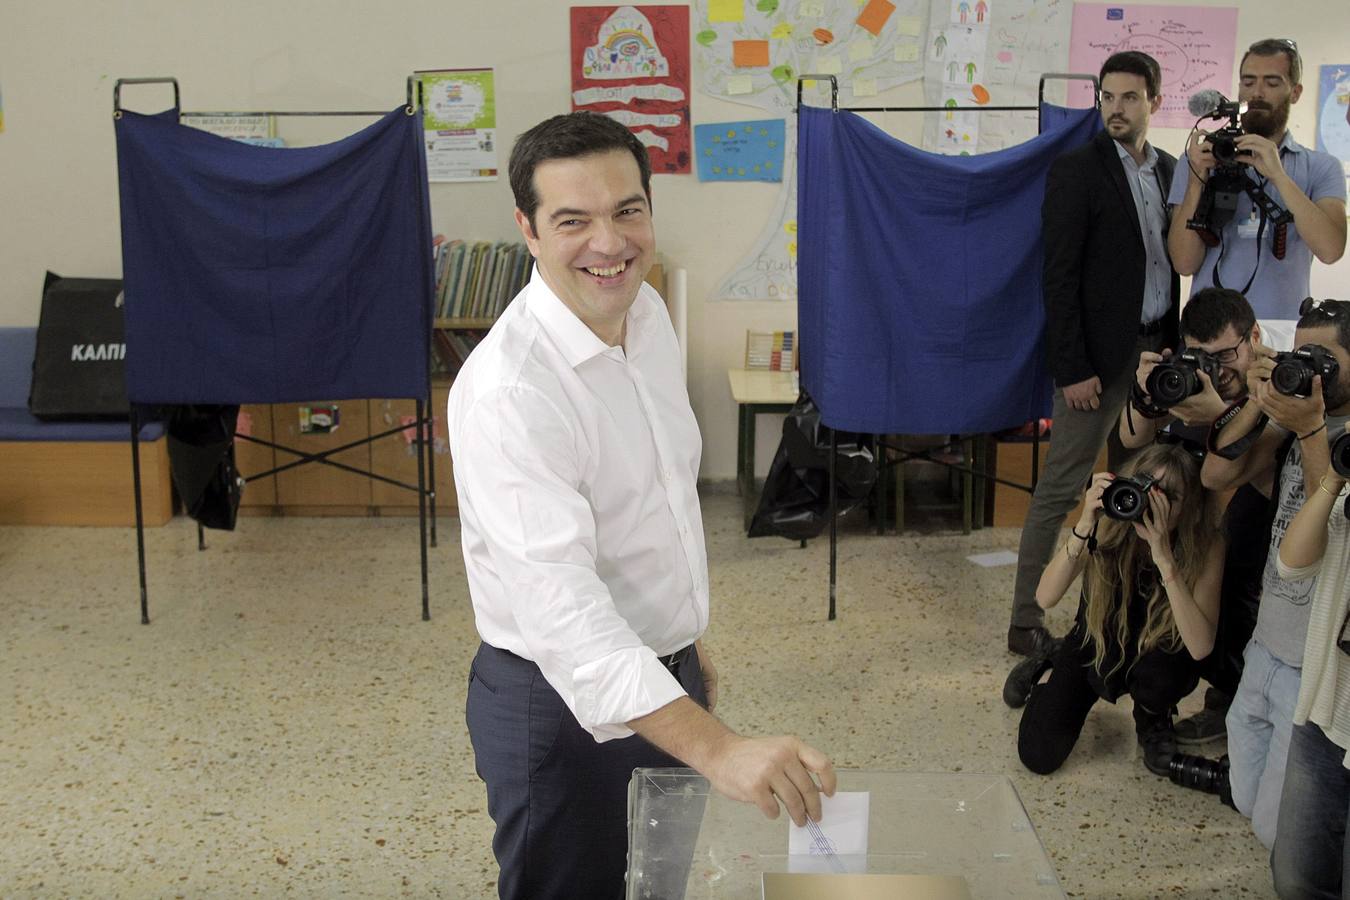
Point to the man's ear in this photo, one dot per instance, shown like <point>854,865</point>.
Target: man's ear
<point>1155,104</point>
<point>527,231</point>
<point>1296,93</point>
<point>1256,333</point>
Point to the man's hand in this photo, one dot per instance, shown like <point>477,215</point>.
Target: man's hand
<point>1148,361</point>
<point>1297,414</point>
<point>1261,153</point>
<point>1085,395</point>
<point>1202,408</point>
<point>709,674</point>
<point>758,770</point>
<point>1258,373</point>
<point>1200,155</point>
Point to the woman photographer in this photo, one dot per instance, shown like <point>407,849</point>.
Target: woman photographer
<point>1147,613</point>
<point>1311,855</point>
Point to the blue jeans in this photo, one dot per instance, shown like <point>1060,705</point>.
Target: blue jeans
<point>1311,858</point>
<point>1258,737</point>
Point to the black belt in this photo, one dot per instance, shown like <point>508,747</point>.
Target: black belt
<point>1151,328</point>
<point>676,659</point>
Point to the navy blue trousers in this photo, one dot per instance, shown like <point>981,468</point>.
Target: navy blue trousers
<point>558,798</point>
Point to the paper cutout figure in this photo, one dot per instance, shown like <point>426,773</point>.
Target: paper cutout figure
<point>970,72</point>
<point>963,9</point>
<point>939,45</point>
<point>980,9</point>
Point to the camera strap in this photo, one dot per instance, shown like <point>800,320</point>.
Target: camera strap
<point>1242,444</point>
<point>1141,403</point>
<point>1280,239</point>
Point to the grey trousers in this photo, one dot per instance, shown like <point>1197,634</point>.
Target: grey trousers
<point>1076,439</point>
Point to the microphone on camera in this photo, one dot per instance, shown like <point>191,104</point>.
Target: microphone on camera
<point>1210,104</point>
<point>1205,103</point>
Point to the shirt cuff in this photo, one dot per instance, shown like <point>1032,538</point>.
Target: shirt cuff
<point>1300,574</point>
<point>621,687</point>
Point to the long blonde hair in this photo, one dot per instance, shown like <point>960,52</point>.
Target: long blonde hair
<point>1110,579</point>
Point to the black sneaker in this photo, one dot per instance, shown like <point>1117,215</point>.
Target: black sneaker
<point>1023,678</point>
<point>1205,726</point>
<point>1031,641</point>
<point>1159,745</point>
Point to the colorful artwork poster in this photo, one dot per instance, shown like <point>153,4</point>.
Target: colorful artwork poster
<point>1194,46</point>
<point>740,151</point>
<point>1333,114</point>
<point>459,120</point>
<point>631,63</point>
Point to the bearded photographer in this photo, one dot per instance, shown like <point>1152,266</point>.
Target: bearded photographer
<point>1222,341</point>
<point>1279,437</point>
<point>1308,183</point>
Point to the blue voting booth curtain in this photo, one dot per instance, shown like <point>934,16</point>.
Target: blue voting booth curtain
<point>271,275</point>
<point>919,277</point>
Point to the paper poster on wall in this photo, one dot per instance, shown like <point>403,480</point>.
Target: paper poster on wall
<point>869,45</point>
<point>459,115</point>
<point>980,53</point>
<point>1333,114</point>
<point>238,126</point>
<point>1194,46</point>
<point>740,151</point>
<point>632,64</point>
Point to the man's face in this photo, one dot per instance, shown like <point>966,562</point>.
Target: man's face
<point>1268,92</point>
<point>592,236</point>
<point>1235,356</point>
<point>1126,106</point>
<point>1335,395</point>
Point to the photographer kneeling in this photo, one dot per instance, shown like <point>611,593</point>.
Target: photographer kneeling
<point>1147,612</point>
<point>1178,397</point>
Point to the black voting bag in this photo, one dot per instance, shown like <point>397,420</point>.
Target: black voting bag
<point>795,503</point>
<point>79,370</point>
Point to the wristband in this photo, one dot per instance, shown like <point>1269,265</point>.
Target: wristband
<point>1145,406</point>
<point>1304,437</point>
<point>1084,537</point>
<point>1322,486</point>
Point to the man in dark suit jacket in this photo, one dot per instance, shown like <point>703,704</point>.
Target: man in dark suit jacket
<point>1110,292</point>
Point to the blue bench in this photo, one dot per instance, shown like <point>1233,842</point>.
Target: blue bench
<point>70,473</point>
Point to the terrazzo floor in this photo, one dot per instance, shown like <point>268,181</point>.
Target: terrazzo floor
<point>287,726</point>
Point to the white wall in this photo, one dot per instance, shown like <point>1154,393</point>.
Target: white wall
<point>58,194</point>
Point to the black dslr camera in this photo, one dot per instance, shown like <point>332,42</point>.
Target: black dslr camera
<point>1219,198</point>
<point>1201,774</point>
<point>1295,369</point>
<point>1175,379</point>
<point>1340,455</point>
<point>1127,498</point>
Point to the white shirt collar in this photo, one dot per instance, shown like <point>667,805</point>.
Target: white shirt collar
<point>1150,155</point>
<point>574,338</point>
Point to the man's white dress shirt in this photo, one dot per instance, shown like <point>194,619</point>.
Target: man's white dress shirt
<point>576,464</point>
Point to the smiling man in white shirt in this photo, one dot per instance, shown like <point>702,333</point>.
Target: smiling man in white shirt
<point>576,458</point>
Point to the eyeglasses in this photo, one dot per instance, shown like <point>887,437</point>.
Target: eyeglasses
<point>1228,354</point>
<point>1329,308</point>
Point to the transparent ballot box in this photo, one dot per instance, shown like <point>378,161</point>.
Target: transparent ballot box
<point>885,834</point>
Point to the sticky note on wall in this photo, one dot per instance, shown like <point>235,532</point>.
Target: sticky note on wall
<point>874,15</point>
<point>726,10</point>
<point>747,54</point>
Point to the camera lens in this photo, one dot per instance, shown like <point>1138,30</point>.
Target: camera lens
<point>1170,387</point>
<point>1292,378</point>
<point>1199,773</point>
<point>1340,455</point>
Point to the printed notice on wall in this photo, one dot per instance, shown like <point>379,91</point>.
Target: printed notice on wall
<point>1333,114</point>
<point>459,115</point>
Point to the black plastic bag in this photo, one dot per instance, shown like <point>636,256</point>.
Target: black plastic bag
<point>795,503</point>
<point>201,457</point>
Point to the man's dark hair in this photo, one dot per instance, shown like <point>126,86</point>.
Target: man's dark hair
<point>1133,62</point>
<point>1210,311</point>
<point>569,136</point>
<point>1273,46</point>
<point>1330,312</point>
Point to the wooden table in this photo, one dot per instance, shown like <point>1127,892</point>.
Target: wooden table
<point>756,391</point>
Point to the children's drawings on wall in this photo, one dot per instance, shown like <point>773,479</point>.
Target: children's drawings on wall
<point>1333,114</point>
<point>752,51</point>
<point>989,53</point>
<point>740,151</point>
<point>1194,46</point>
<point>632,64</point>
